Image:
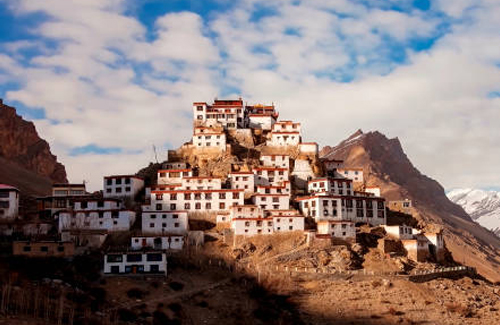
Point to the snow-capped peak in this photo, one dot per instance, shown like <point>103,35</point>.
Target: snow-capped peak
<point>483,206</point>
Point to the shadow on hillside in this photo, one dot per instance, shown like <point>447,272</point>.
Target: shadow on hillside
<point>76,293</point>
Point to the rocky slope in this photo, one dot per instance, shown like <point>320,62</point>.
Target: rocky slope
<point>385,164</point>
<point>24,153</point>
<point>482,206</point>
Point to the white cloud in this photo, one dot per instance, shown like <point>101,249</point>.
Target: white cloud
<point>107,84</point>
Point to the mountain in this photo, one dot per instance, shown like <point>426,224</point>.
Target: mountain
<point>482,206</point>
<point>386,165</point>
<point>25,159</point>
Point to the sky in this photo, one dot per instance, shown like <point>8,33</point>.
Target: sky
<point>106,80</point>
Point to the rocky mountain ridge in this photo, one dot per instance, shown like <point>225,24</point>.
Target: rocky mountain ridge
<point>483,206</point>
<point>23,153</point>
<point>386,165</point>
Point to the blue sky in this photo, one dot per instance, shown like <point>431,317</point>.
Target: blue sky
<point>105,80</point>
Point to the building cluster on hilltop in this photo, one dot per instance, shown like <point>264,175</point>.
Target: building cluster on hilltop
<point>288,188</point>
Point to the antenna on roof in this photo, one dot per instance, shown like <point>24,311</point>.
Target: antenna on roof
<point>155,153</point>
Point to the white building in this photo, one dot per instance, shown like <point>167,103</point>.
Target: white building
<point>261,117</point>
<point>227,113</point>
<point>68,190</point>
<point>209,138</point>
<point>9,202</point>
<point>175,165</point>
<point>201,183</point>
<point>245,212</point>
<point>281,161</point>
<point>343,229</point>
<point>331,165</point>
<point>284,139</point>
<point>286,126</point>
<point>354,174</point>
<point>375,190</point>
<point>195,200</point>
<point>173,176</point>
<point>272,201</point>
<point>270,175</point>
<point>168,242</point>
<point>283,223</point>
<point>309,148</point>
<point>329,186</point>
<point>122,186</point>
<point>267,226</point>
<point>283,188</point>
<point>252,226</point>
<point>165,222</point>
<point>302,173</point>
<point>400,231</point>
<point>96,214</point>
<point>153,262</point>
<point>358,209</point>
<point>242,180</point>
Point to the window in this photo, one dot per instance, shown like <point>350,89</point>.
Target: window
<point>118,181</point>
<point>134,258</point>
<point>247,223</point>
<point>109,181</point>
<point>27,249</point>
<point>154,257</point>
<point>44,249</point>
<point>187,196</point>
<point>127,180</point>
<point>159,206</point>
<point>236,195</point>
<point>276,199</point>
<point>108,190</point>
<point>325,212</point>
<point>154,268</point>
<point>114,258</point>
<point>197,206</point>
<point>222,196</point>
<point>100,204</point>
<point>222,205</point>
<point>84,205</point>
<point>173,196</point>
<point>173,207</point>
<point>151,225</point>
<point>153,216</point>
<point>114,214</point>
<point>325,203</point>
<point>290,227</point>
<point>208,196</point>
<point>118,190</point>
<point>101,214</point>
<point>208,206</point>
<point>187,206</point>
<point>164,225</point>
<point>127,189</point>
<point>60,248</point>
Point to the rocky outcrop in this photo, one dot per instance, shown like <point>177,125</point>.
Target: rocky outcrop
<point>21,145</point>
<point>386,165</point>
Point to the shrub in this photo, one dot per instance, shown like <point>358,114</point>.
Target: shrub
<point>176,286</point>
<point>136,293</point>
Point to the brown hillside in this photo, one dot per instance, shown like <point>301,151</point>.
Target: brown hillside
<point>385,164</point>
<point>25,156</point>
